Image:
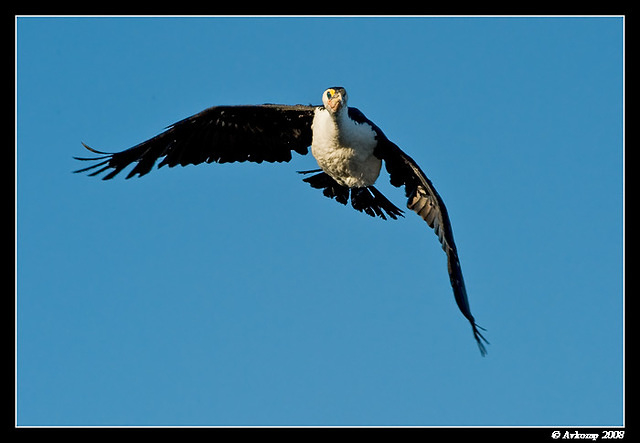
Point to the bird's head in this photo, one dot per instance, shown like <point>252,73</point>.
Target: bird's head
<point>334,99</point>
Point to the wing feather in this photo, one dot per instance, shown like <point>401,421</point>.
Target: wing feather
<point>219,134</point>
<point>427,203</point>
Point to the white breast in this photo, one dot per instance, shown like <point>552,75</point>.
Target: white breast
<point>344,149</point>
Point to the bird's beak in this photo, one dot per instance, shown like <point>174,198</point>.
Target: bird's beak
<point>335,102</point>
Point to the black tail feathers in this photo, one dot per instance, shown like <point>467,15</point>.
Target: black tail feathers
<point>368,200</point>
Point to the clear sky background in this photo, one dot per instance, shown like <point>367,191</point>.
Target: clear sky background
<point>236,294</point>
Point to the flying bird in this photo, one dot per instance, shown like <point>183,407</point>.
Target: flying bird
<point>347,146</point>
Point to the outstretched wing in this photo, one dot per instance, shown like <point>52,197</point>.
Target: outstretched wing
<point>425,201</point>
<point>219,134</point>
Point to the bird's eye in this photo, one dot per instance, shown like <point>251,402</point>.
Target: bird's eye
<point>329,93</point>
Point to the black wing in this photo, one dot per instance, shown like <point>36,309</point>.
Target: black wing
<point>219,134</point>
<point>425,201</point>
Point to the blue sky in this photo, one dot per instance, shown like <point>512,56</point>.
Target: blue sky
<point>237,295</point>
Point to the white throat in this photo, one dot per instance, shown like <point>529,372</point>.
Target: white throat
<point>344,148</point>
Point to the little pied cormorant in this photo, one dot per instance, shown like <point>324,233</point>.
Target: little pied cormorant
<point>348,147</point>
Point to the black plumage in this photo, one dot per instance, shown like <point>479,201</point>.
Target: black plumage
<point>220,134</point>
<point>367,199</point>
